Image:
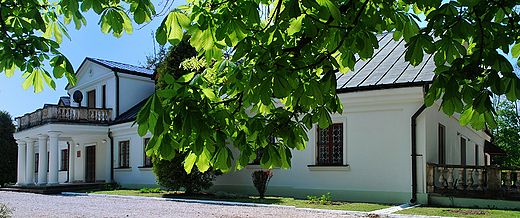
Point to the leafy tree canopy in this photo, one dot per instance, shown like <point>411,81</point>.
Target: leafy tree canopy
<point>8,156</point>
<point>271,64</point>
<point>507,134</point>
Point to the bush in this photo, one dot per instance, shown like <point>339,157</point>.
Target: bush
<point>261,180</point>
<point>171,175</point>
<point>5,211</point>
<point>9,148</point>
<point>324,199</point>
<point>110,186</point>
<point>150,190</point>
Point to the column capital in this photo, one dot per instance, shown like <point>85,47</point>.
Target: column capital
<point>27,139</point>
<point>21,142</point>
<point>54,133</point>
<point>42,136</point>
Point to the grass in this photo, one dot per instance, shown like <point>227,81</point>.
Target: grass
<point>456,212</point>
<point>364,207</point>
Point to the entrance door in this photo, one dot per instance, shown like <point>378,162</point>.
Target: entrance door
<point>90,166</point>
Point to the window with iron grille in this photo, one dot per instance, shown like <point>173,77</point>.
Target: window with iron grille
<point>258,151</point>
<point>37,160</point>
<point>147,159</point>
<point>64,159</point>
<point>124,154</point>
<point>330,145</point>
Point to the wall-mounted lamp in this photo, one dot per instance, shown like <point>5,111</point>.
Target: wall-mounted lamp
<point>104,141</point>
<point>77,144</point>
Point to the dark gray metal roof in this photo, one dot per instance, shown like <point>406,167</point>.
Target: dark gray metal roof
<point>65,100</point>
<point>121,66</point>
<point>130,114</point>
<point>386,69</point>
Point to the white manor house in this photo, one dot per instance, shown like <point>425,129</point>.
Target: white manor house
<point>385,147</point>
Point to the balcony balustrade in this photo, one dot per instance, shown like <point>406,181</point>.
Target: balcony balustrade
<point>64,114</point>
<point>493,182</point>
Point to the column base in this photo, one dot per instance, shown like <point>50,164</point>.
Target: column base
<point>20,183</point>
<point>41,184</point>
<point>52,183</point>
<point>30,183</point>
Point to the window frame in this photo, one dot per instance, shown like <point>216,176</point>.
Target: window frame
<point>146,157</point>
<point>330,144</point>
<point>313,145</point>
<point>124,154</point>
<point>64,159</point>
<point>441,144</point>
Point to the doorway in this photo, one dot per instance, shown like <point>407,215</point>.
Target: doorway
<point>90,165</point>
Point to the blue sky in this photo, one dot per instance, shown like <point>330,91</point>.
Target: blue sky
<point>89,41</point>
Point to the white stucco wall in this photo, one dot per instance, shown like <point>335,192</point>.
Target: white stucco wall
<point>136,176</point>
<point>378,147</point>
<point>132,89</point>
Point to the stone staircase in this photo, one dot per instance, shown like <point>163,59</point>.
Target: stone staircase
<point>55,189</point>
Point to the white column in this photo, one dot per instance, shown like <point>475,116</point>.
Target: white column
<point>72,157</point>
<point>53,158</point>
<point>42,166</point>
<point>20,179</point>
<point>29,166</point>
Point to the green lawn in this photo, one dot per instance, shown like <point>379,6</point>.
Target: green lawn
<point>459,212</point>
<point>365,207</point>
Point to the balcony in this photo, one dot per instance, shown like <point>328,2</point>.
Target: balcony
<point>63,114</point>
<point>488,182</point>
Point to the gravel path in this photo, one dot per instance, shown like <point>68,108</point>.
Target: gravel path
<point>37,205</point>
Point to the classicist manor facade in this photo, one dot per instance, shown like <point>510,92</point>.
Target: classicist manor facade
<point>380,149</point>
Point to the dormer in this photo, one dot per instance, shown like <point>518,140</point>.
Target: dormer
<point>109,84</point>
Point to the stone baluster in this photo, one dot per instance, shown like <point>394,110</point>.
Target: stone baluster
<point>508,180</point>
<point>460,186</point>
<point>480,179</point>
<point>518,181</point>
<point>451,180</point>
<point>470,179</point>
<point>430,179</point>
<point>441,178</point>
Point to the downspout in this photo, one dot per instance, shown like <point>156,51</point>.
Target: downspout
<point>111,156</point>
<point>414,146</point>
<point>414,152</point>
<point>117,92</point>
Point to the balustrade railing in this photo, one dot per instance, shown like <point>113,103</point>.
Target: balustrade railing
<point>54,113</point>
<point>473,181</point>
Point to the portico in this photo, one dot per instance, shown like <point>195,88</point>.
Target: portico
<point>50,153</point>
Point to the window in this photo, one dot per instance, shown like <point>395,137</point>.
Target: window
<point>330,145</point>
<point>37,160</point>
<point>442,144</point>
<point>64,159</point>
<point>476,155</point>
<point>124,154</point>
<point>258,152</point>
<point>147,159</point>
<point>104,93</point>
<point>462,151</point>
<point>91,99</point>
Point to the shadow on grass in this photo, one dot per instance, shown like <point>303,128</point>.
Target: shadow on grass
<point>213,197</point>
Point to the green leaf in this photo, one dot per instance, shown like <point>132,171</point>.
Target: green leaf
<point>296,25</point>
<point>189,161</point>
<point>186,77</point>
<point>515,51</point>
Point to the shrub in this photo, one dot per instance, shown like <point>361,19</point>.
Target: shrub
<point>171,175</point>
<point>150,190</point>
<point>5,211</point>
<point>261,180</point>
<point>324,199</point>
<point>110,186</point>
